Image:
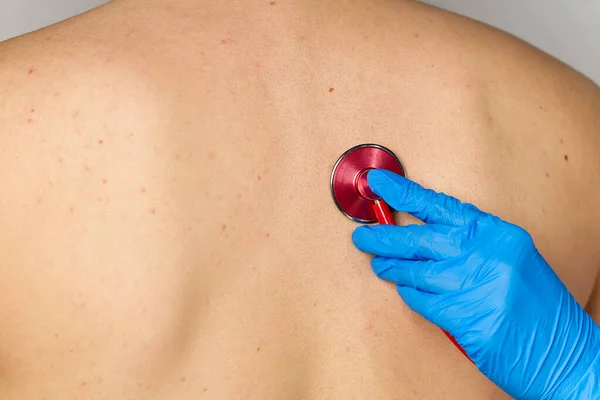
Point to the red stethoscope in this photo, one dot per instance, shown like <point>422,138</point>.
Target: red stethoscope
<point>354,198</point>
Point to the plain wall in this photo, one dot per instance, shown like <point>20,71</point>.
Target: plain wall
<point>22,16</point>
<point>567,29</point>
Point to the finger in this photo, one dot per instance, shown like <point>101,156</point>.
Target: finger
<point>422,303</point>
<point>426,276</point>
<point>412,242</point>
<point>427,205</point>
<point>430,306</point>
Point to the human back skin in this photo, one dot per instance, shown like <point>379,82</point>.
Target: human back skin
<point>167,230</point>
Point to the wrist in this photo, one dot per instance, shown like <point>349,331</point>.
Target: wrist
<point>583,382</point>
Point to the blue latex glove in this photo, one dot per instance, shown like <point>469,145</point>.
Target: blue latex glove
<point>482,280</point>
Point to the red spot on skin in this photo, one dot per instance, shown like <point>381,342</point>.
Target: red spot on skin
<point>416,35</point>
<point>38,200</point>
<point>75,114</point>
<point>29,120</point>
<point>87,169</point>
<point>143,190</point>
<point>259,177</point>
<point>226,41</point>
<point>182,379</point>
<point>71,209</point>
<point>566,157</point>
<point>56,335</point>
<point>211,156</point>
<point>177,157</point>
<point>31,71</point>
<point>547,175</point>
<point>291,196</point>
<point>56,94</point>
<point>84,383</point>
<point>268,235</point>
<point>153,211</point>
<point>239,196</point>
<point>100,141</point>
<point>104,181</point>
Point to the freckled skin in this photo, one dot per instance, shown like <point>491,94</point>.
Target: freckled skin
<point>253,92</point>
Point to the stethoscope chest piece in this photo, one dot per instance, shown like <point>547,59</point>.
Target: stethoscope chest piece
<point>349,187</point>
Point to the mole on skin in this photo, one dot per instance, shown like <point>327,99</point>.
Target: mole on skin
<point>566,157</point>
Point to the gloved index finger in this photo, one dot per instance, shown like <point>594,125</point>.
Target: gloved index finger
<point>427,205</point>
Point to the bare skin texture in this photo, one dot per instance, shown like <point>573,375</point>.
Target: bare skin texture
<point>166,226</point>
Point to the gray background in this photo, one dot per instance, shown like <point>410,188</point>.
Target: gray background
<point>567,29</point>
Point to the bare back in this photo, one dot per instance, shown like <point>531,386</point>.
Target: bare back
<point>166,228</point>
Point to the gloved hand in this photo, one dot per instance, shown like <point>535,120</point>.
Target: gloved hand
<point>482,280</point>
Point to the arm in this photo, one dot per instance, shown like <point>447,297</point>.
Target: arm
<point>593,305</point>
